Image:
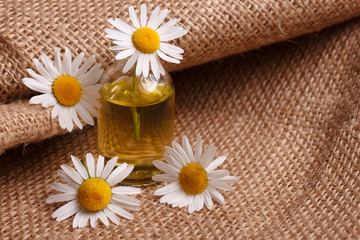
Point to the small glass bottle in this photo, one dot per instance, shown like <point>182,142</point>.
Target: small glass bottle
<point>137,120</point>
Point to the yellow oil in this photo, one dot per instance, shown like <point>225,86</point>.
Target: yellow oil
<point>116,135</point>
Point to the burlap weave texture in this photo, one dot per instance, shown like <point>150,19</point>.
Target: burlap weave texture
<point>216,29</point>
<point>287,118</point>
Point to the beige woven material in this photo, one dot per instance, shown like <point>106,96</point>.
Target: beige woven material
<point>287,118</point>
<point>216,29</point>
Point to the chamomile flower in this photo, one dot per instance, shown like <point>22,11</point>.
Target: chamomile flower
<point>91,192</point>
<point>193,177</point>
<point>145,42</point>
<point>71,89</point>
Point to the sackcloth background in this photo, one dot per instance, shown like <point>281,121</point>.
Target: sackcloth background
<point>274,84</point>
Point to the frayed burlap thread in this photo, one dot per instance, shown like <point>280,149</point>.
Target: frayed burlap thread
<point>287,118</point>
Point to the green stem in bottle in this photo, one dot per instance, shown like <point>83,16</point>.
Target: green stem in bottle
<point>135,114</point>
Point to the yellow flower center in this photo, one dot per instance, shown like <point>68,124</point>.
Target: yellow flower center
<point>94,194</point>
<point>67,90</point>
<point>146,40</point>
<point>193,178</point>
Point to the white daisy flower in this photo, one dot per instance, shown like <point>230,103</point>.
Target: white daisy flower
<point>193,177</point>
<point>92,194</point>
<point>144,42</point>
<point>71,89</point>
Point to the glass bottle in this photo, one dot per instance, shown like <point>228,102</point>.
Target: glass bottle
<point>137,120</point>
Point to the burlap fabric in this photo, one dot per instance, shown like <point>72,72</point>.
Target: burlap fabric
<point>287,118</point>
<point>217,29</point>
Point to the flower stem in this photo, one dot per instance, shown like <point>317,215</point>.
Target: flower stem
<point>135,114</point>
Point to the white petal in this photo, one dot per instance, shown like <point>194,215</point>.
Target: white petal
<point>199,202</point>
<point>125,53</point>
<point>93,218</point>
<point>180,198</point>
<point>181,152</point>
<point>67,179</point>
<point>126,190</point>
<point>57,61</point>
<point>143,15</point>
<point>166,26</point>
<point>68,119</point>
<point>36,85</point>
<point>61,197</point>
<point>70,211</point>
<point>89,108</point>
<point>145,65</point>
<point>55,111</point>
<point>122,26</point>
<point>208,201</point>
<point>216,174</point>
<point>187,148</point>
<point>84,114</point>
<point>173,35</point>
<point>154,66</point>
<point>61,117</point>
<point>92,100</point>
<point>65,209</point>
<point>159,20</point>
<point>186,201</point>
<point>134,18</point>
<point>86,65</point>
<point>139,64</point>
<point>131,62</point>
<point>41,79</point>
<point>125,199</point>
<point>76,63</point>
<point>220,185</point>
<point>173,198</point>
<point>119,174</point>
<point>117,35</point>
<point>63,188</point>
<point>109,167</point>
<point>176,156</point>
<point>172,48</point>
<point>166,57</point>
<point>67,62</point>
<point>214,164</point>
<point>100,166</point>
<point>166,167</point>
<point>120,211</point>
<point>102,216</point>
<point>164,178</point>
<point>111,216</point>
<point>171,161</point>
<point>43,72</point>
<point>172,187</point>
<point>192,206</point>
<point>72,173</point>
<point>77,219</point>
<point>90,162</point>
<point>170,53</point>
<point>161,68</point>
<point>79,167</point>
<point>208,156</point>
<point>215,194</point>
<point>84,217</point>
<point>46,100</point>
<point>74,117</point>
<point>229,179</point>
<point>120,48</point>
<point>153,17</point>
<point>198,148</point>
<point>92,76</point>
<point>49,66</point>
